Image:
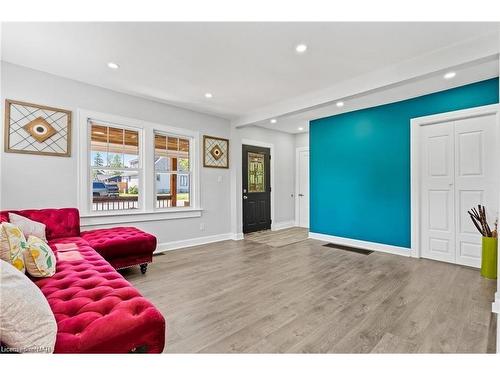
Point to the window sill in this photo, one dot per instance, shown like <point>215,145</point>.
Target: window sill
<point>92,219</point>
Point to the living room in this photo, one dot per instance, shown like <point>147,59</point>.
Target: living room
<point>249,187</point>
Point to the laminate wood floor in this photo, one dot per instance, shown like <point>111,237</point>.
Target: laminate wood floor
<point>279,238</point>
<point>247,297</point>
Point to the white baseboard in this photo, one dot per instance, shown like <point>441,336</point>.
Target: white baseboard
<point>495,306</point>
<point>238,236</point>
<point>166,246</point>
<point>391,249</point>
<point>283,225</point>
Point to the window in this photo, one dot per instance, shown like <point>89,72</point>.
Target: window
<point>115,167</point>
<point>134,171</point>
<point>256,173</point>
<point>173,170</point>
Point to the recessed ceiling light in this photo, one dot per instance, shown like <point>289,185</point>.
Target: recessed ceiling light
<point>339,104</point>
<point>449,75</point>
<point>208,95</point>
<point>301,128</point>
<point>113,65</point>
<point>301,48</point>
<point>273,121</point>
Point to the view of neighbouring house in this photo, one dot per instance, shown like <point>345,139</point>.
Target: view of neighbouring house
<point>115,163</point>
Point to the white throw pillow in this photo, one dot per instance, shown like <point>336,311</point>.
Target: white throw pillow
<point>27,323</point>
<point>28,226</point>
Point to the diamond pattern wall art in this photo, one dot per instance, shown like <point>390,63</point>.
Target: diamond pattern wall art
<point>215,152</point>
<point>36,129</point>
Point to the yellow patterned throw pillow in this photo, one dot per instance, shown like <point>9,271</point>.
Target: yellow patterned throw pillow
<point>39,257</point>
<point>4,245</point>
<point>17,245</point>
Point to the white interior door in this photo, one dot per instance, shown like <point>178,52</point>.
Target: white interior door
<point>457,172</point>
<point>303,193</point>
<point>437,192</point>
<point>475,182</point>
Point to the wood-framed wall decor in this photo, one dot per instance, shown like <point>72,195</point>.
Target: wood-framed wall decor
<point>37,129</point>
<point>215,152</point>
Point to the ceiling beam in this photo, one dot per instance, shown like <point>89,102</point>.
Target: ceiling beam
<point>465,52</point>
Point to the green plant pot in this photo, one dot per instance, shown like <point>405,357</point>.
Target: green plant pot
<point>489,258</point>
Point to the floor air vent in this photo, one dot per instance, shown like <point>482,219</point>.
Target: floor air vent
<point>349,248</point>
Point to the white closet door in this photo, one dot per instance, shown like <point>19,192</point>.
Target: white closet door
<point>437,192</point>
<point>476,179</point>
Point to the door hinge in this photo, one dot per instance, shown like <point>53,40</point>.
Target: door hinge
<point>269,188</point>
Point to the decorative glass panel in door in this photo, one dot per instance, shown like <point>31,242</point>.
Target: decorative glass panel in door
<point>256,173</point>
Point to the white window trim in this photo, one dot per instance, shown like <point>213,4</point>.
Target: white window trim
<point>147,210</point>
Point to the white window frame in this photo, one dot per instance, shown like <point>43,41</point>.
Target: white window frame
<point>191,136</point>
<point>147,210</point>
<point>140,170</point>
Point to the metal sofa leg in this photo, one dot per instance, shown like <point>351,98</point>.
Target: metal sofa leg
<point>144,268</point>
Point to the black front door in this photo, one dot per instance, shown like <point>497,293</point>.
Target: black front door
<point>256,189</point>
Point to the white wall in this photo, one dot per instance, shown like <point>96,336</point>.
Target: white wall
<point>29,181</point>
<point>302,140</point>
<point>283,160</point>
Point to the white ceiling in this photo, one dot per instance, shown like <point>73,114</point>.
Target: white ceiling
<point>469,73</point>
<point>246,66</point>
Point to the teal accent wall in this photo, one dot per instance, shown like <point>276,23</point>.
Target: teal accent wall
<point>360,164</point>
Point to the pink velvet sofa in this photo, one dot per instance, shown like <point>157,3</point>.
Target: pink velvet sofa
<point>96,309</point>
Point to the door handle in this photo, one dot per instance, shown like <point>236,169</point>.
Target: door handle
<point>301,195</point>
<point>245,197</point>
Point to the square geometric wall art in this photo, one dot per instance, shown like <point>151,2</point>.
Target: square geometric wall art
<point>215,152</point>
<point>36,129</point>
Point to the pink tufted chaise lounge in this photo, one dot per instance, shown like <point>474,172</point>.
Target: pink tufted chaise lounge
<point>122,247</point>
<point>96,309</point>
